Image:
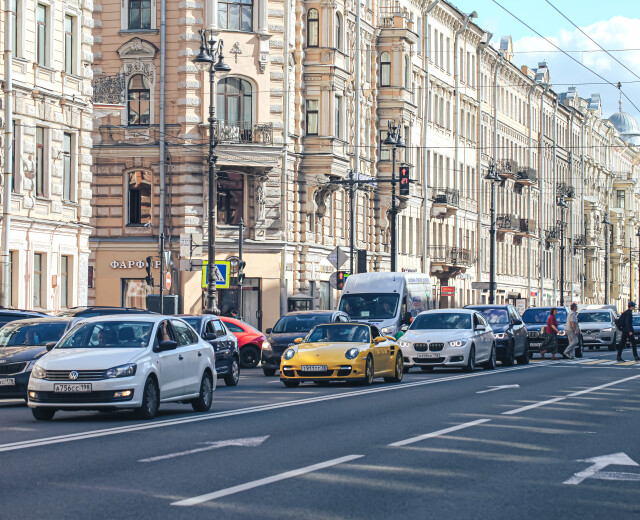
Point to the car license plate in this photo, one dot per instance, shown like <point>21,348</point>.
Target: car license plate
<point>314,368</point>
<point>429,355</point>
<point>72,387</point>
<point>588,338</point>
<point>7,381</point>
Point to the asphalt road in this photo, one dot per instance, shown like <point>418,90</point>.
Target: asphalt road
<point>438,445</point>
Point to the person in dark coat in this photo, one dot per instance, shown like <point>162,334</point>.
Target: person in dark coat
<point>627,332</point>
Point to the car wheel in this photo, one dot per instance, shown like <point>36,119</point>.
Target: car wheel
<point>368,371</point>
<point>290,383</point>
<point>203,402</point>
<point>509,360</point>
<point>249,356</point>
<point>471,362</point>
<point>524,358</point>
<point>397,376</point>
<point>491,363</point>
<point>405,369</point>
<point>43,414</point>
<point>269,372</point>
<point>233,377</point>
<point>150,400</point>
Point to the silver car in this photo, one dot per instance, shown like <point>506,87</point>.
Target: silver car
<point>598,328</point>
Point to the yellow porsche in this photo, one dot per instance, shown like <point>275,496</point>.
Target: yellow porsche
<point>342,352</point>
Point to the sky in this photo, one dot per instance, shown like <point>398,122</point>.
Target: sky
<point>613,24</point>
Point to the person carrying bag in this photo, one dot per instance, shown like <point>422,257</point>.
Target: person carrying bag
<point>550,342</point>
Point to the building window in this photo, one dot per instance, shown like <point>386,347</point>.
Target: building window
<point>68,45</point>
<point>138,101</point>
<point>235,15</point>
<point>407,72</point>
<point>37,279</point>
<point>139,14</point>
<point>620,199</point>
<point>234,102</point>
<point>39,161</point>
<point>65,264</point>
<point>385,69</point>
<point>41,35</point>
<point>66,172</point>
<point>312,116</point>
<point>337,117</point>
<point>230,198</point>
<point>367,61</point>
<point>134,293</point>
<point>12,258</point>
<point>14,157</point>
<point>338,42</point>
<point>139,198</point>
<point>385,151</point>
<point>16,39</point>
<point>312,28</point>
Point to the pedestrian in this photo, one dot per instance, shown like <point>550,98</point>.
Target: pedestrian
<point>550,343</point>
<point>572,333</point>
<point>232,313</point>
<point>627,332</point>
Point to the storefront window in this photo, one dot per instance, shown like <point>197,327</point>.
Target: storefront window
<point>134,293</point>
<point>230,198</point>
<point>324,292</point>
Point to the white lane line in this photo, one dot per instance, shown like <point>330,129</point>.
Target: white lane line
<point>264,481</point>
<point>242,411</point>
<point>574,394</point>
<point>438,433</point>
<point>247,441</point>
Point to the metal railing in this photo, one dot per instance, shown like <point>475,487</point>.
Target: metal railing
<point>507,222</point>
<point>528,174</point>
<point>449,196</point>
<point>566,190</point>
<point>109,89</point>
<point>451,255</point>
<point>579,240</point>
<point>242,132</point>
<point>528,226</point>
<point>506,167</point>
<point>552,233</point>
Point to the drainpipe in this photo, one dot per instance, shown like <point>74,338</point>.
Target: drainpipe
<point>285,162</point>
<point>584,123</point>
<point>541,204</point>
<point>493,259</point>
<point>554,194</point>
<point>163,183</point>
<point>530,161</point>
<point>5,254</point>
<point>571,212</point>
<point>480,147</point>
<point>356,163</point>
<point>425,131</point>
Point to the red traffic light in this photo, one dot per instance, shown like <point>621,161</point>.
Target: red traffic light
<point>404,180</point>
<point>342,278</point>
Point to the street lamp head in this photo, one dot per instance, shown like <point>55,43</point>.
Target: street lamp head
<point>399,141</point>
<point>638,233</point>
<point>473,15</point>
<point>221,65</point>
<point>606,220</point>
<point>390,140</point>
<point>562,203</point>
<point>492,175</point>
<point>203,60</point>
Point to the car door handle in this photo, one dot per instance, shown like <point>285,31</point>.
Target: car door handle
<point>180,357</point>
<point>199,354</point>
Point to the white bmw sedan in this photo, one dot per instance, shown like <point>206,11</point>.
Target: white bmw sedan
<point>449,338</point>
<point>124,361</point>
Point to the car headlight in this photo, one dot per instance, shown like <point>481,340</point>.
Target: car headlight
<point>37,372</point>
<point>457,343</point>
<point>352,353</point>
<point>501,335</point>
<point>121,371</point>
<point>266,345</point>
<point>607,330</point>
<point>562,333</point>
<point>387,330</point>
<point>289,353</point>
<point>30,365</point>
<point>404,344</point>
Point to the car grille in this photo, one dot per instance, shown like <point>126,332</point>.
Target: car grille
<point>534,334</point>
<point>420,347</point>
<point>83,375</point>
<point>313,373</point>
<point>90,397</point>
<point>12,368</point>
<point>436,347</point>
<point>428,361</point>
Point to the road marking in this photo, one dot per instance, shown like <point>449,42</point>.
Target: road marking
<point>44,441</point>
<point>625,363</point>
<point>438,433</point>
<point>17,429</point>
<point>574,394</point>
<point>248,441</point>
<point>494,388</point>
<point>598,463</point>
<point>596,361</point>
<point>613,475</point>
<point>264,481</point>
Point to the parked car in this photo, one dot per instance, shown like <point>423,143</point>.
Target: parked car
<point>22,343</point>
<point>90,312</point>
<point>535,318</point>
<point>225,344</point>
<point>8,315</point>
<point>342,351</point>
<point>289,327</point>
<point>636,322</point>
<point>116,362</point>
<point>512,341</point>
<point>449,338</point>
<point>598,328</point>
<point>250,341</point>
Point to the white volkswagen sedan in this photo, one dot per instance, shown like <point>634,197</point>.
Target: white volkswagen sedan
<point>124,361</point>
<point>449,338</point>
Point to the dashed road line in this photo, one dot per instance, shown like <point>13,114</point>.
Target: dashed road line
<point>438,433</point>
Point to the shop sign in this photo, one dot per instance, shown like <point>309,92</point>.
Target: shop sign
<point>133,264</point>
<point>448,291</point>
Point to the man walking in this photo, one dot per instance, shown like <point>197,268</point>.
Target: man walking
<point>572,332</point>
<point>627,332</point>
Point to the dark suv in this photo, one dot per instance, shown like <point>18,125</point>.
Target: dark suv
<point>7,315</point>
<point>289,327</point>
<point>512,342</point>
<point>535,318</point>
<point>90,312</point>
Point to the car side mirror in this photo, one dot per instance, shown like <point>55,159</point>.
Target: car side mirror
<point>209,336</point>
<point>404,328</point>
<point>406,319</point>
<point>517,322</point>
<point>480,328</point>
<point>168,345</point>
<point>379,339</point>
<point>50,346</point>
<point>268,331</point>
<point>297,341</point>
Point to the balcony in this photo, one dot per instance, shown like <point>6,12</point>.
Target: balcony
<point>507,168</point>
<point>394,17</point>
<point>507,223</point>
<point>552,234</point>
<point>109,89</point>
<point>527,228</point>
<point>527,176</point>
<point>243,132</point>
<point>563,189</point>
<point>579,242</point>
<point>450,261</point>
<point>445,203</point>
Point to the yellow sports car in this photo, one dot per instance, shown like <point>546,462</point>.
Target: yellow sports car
<point>342,351</point>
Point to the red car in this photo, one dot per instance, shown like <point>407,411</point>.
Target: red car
<point>249,341</point>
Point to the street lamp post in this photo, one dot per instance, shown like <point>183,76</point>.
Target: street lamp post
<point>394,139</point>
<point>562,204</point>
<point>606,223</point>
<point>630,262</point>
<point>493,177</point>
<point>210,59</point>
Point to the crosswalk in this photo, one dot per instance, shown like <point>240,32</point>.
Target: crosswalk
<point>589,362</point>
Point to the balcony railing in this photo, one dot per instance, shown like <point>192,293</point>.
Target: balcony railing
<point>448,196</point>
<point>388,15</point>
<point>507,168</point>
<point>552,234</point>
<point>452,256</point>
<point>527,176</point>
<point>108,89</point>
<point>579,241</point>
<point>564,189</point>
<point>243,132</point>
<point>507,222</point>
<point>527,227</point>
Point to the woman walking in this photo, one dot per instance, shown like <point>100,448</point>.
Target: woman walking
<point>550,343</point>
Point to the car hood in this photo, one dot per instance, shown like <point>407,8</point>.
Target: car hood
<point>21,353</point>
<point>596,325</point>
<point>88,358</point>
<point>499,328</point>
<point>537,326</point>
<point>436,335</point>
<point>285,338</point>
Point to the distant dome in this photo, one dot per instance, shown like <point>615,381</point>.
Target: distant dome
<point>627,126</point>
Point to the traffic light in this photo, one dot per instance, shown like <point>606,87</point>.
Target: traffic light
<point>241,265</point>
<point>149,279</point>
<point>404,180</point>
<point>342,277</point>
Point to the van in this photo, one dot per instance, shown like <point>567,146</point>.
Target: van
<point>386,300</point>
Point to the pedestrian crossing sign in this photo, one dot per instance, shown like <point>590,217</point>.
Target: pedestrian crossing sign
<point>222,274</point>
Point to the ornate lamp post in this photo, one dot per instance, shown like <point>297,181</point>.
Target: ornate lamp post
<point>606,223</point>
<point>562,204</point>
<point>493,177</point>
<point>394,139</point>
<point>210,59</point>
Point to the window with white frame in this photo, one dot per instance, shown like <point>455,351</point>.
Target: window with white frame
<point>69,45</point>
<point>67,167</point>
<point>313,29</point>
<point>16,27</point>
<point>338,35</point>
<point>337,117</point>
<point>385,69</point>
<point>63,285</point>
<point>139,198</point>
<point>139,14</point>
<point>138,100</point>
<point>41,161</point>
<point>235,15</point>
<point>42,35</point>
<point>37,278</point>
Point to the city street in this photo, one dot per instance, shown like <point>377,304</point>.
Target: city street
<point>516,442</point>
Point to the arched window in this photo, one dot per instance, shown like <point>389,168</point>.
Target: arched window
<point>407,72</point>
<point>312,28</point>
<point>138,97</point>
<point>338,40</point>
<point>385,69</point>
<point>234,103</point>
<point>235,15</point>
<point>139,198</point>
<point>139,14</point>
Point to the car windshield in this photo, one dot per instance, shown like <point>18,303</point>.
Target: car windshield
<point>636,319</point>
<point>496,316</point>
<point>300,322</point>
<point>541,315</point>
<point>194,322</point>
<point>109,334</point>
<point>370,306</point>
<point>594,317</point>
<point>39,334</point>
<point>441,320</point>
<point>340,333</point>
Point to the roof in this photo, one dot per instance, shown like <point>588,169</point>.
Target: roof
<point>303,313</point>
<point>449,311</point>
